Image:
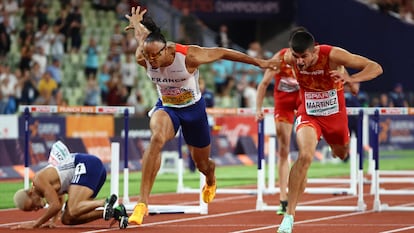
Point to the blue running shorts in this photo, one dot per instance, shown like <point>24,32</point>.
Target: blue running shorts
<point>193,121</point>
<point>89,172</point>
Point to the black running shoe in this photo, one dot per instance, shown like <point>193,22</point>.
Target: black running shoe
<point>108,212</point>
<point>120,215</point>
<point>282,208</point>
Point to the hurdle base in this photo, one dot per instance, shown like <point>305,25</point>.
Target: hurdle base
<point>386,207</point>
<point>171,209</point>
<point>311,190</point>
<point>335,191</point>
<point>265,207</point>
<point>221,191</point>
<point>403,192</point>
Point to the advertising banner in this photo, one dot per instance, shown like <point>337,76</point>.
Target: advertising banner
<point>99,146</point>
<point>138,126</point>
<point>235,126</point>
<point>8,126</point>
<point>396,132</point>
<point>50,128</point>
<point>89,126</point>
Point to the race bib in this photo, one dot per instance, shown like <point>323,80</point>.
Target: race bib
<point>59,154</point>
<point>288,84</point>
<point>323,103</point>
<point>80,169</point>
<point>176,96</point>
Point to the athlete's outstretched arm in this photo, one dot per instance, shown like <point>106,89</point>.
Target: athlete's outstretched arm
<point>140,31</point>
<point>201,55</point>
<point>261,89</point>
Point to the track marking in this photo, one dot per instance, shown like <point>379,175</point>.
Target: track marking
<point>14,223</point>
<point>218,215</point>
<point>206,216</point>
<point>306,221</point>
<point>319,219</point>
<point>398,230</point>
<point>247,211</point>
<point>179,220</point>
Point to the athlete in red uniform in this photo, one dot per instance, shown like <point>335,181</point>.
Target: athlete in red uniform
<point>286,98</point>
<point>322,111</point>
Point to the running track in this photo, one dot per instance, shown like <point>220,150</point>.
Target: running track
<point>235,213</point>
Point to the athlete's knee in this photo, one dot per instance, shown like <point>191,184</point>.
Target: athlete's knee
<point>70,214</point>
<point>67,218</point>
<point>305,159</point>
<point>284,152</point>
<point>158,138</point>
<point>341,152</point>
<point>205,165</point>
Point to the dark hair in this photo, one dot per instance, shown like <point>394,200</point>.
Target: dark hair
<point>296,29</point>
<point>155,31</point>
<point>301,40</point>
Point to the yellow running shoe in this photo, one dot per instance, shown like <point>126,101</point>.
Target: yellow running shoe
<point>209,192</point>
<point>137,216</point>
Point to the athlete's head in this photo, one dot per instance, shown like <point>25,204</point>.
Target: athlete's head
<point>155,44</point>
<point>28,200</point>
<point>302,46</point>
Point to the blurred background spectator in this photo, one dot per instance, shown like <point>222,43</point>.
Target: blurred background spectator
<point>398,97</point>
<point>222,38</point>
<point>191,28</point>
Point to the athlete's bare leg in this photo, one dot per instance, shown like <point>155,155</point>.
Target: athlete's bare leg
<point>341,151</point>
<point>307,140</point>
<point>283,132</point>
<point>80,207</point>
<point>204,164</point>
<point>162,130</point>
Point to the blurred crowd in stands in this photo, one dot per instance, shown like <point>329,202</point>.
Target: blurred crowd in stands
<point>62,53</point>
<point>402,9</point>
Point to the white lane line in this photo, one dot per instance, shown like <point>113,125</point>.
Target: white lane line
<point>14,223</point>
<point>220,215</point>
<point>180,220</point>
<point>306,221</point>
<point>398,230</point>
<point>319,219</point>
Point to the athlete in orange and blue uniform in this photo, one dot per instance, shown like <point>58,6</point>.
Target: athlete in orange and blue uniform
<point>173,68</point>
<point>322,111</point>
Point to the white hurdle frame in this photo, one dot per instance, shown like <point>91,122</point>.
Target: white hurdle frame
<point>376,179</point>
<point>356,178</point>
<point>261,177</point>
<point>260,171</point>
<point>152,209</point>
<point>351,182</point>
<point>54,109</point>
<point>115,154</point>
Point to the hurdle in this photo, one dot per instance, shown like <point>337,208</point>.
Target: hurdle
<point>54,109</point>
<point>260,171</point>
<point>389,176</point>
<point>376,179</point>
<point>261,177</point>
<point>115,153</point>
<point>201,208</point>
<point>356,151</point>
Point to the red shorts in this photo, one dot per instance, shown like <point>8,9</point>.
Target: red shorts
<point>333,128</point>
<point>286,105</point>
